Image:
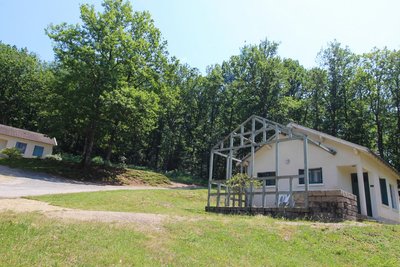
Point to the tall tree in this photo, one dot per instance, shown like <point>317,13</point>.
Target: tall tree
<point>339,63</point>
<point>115,49</point>
<point>23,78</point>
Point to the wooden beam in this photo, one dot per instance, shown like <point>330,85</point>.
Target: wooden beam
<point>277,165</point>
<point>306,174</point>
<point>226,156</point>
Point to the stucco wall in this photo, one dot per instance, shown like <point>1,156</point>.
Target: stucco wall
<point>376,171</point>
<point>11,141</point>
<point>291,159</point>
<point>336,171</point>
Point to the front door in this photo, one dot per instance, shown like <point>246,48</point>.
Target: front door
<point>354,185</point>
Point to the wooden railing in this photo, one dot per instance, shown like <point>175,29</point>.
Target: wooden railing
<point>244,197</point>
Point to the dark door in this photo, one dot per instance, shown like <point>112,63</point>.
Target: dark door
<point>354,185</point>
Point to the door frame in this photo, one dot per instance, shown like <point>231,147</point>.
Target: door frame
<point>354,186</point>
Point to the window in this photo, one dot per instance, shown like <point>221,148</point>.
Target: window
<point>398,188</point>
<point>314,176</point>
<point>267,174</point>
<point>21,147</point>
<point>392,194</point>
<point>38,151</point>
<point>384,194</point>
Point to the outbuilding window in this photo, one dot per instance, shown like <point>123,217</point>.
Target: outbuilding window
<point>267,174</point>
<point>38,151</point>
<point>384,194</point>
<point>314,176</point>
<point>392,196</point>
<point>21,146</point>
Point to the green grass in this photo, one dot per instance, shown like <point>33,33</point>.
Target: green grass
<point>31,240</point>
<point>196,239</point>
<point>103,174</point>
<point>174,202</point>
<point>185,178</point>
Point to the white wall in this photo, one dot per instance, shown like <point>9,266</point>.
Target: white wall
<point>336,171</point>
<point>376,171</point>
<point>291,159</point>
<point>11,141</point>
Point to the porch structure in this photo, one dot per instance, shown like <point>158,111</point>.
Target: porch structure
<point>239,147</point>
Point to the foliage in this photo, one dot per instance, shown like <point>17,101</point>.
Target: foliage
<point>113,91</point>
<point>101,174</point>
<point>185,178</point>
<point>98,160</point>
<point>55,157</point>
<point>108,69</point>
<point>71,157</point>
<point>241,181</point>
<point>24,81</point>
<point>12,152</point>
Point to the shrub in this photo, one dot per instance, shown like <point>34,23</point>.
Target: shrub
<point>98,160</point>
<point>12,152</point>
<point>241,181</point>
<point>71,158</point>
<point>55,157</point>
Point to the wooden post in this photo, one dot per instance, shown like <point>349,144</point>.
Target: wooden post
<point>253,129</point>
<point>264,131</point>
<point>306,174</point>
<point>263,193</point>
<point>277,166</point>
<point>291,192</point>
<point>230,167</point>
<point>210,174</point>
<point>241,135</point>
<point>218,193</point>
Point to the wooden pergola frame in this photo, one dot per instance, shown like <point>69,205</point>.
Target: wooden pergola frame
<point>254,133</point>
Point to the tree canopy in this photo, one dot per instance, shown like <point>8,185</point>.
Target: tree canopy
<point>114,91</point>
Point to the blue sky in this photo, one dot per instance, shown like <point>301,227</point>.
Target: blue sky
<point>207,32</point>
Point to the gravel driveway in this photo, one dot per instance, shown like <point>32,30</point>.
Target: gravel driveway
<point>18,183</point>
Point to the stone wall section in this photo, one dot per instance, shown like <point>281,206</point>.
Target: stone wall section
<point>326,205</point>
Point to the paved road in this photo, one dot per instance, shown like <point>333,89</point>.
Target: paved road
<point>18,183</point>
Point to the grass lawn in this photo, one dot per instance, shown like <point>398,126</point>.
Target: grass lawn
<point>173,202</point>
<point>198,239</point>
<point>103,174</point>
<point>32,240</point>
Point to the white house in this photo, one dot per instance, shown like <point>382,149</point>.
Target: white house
<point>332,171</point>
<point>31,144</point>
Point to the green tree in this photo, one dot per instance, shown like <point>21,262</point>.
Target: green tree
<point>339,64</point>
<point>110,51</point>
<point>23,79</point>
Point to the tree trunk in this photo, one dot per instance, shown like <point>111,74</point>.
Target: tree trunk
<point>380,136</point>
<point>87,157</point>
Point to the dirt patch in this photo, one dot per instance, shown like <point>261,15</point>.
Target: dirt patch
<point>142,221</point>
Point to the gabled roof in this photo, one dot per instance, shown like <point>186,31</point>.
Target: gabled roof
<point>28,135</point>
<point>360,148</point>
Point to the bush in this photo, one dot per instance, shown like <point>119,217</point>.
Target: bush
<point>56,157</point>
<point>71,158</point>
<point>241,181</point>
<point>12,153</point>
<point>98,160</point>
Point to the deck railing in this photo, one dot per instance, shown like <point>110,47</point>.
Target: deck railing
<point>244,197</point>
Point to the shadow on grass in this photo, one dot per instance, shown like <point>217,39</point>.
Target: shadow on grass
<point>69,170</point>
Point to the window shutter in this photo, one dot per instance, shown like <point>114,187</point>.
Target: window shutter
<point>384,194</point>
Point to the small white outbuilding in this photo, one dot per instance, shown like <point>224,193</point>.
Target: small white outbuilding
<point>344,180</point>
<point>341,170</point>
<point>31,144</point>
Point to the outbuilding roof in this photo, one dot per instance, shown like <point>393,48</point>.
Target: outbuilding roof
<point>28,135</point>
